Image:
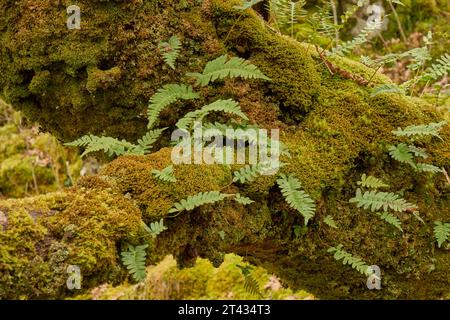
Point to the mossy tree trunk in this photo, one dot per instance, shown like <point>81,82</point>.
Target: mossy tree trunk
<point>99,79</point>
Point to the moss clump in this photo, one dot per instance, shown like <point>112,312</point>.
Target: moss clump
<point>42,236</point>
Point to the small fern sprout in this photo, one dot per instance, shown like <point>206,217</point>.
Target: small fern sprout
<point>441,232</point>
<point>170,50</point>
<point>348,258</point>
<point>418,131</point>
<point>165,175</point>
<point>329,221</point>
<point>224,67</point>
<point>371,182</point>
<point>111,146</point>
<point>391,219</point>
<point>134,260</point>
<point>243,200</point>
<point>386,88</point>
<point>200,199</point>
<point>297,199</point>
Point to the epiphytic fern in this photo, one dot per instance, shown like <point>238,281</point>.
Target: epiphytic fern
<point>165,174</point>
<point>386,88</point>
<point>418,152</point>
<point>224,67</point>
<point>243,200</point>
<point>348,258</point>
<point>250,283</point>
<point>109,145</point>
<point>438,69</point>
<point>296,198</point>
<point>402,153</point>
<point>287,13</point>
<point>329,221</point>
<point>166,96</point>
<point>361,38</point>
<point>155,228</point>
<point>371,182</point>
<point>431,129</point>
<point>249,173</point>
<point>170,50</point>
<point>374,201</point>
<point>391,219</point>
<point>145,144</point>
<point>198,200</point>
<point>228,106</point>
<point>424,167</point>
<point>134,260</point>
<point>441,232</point>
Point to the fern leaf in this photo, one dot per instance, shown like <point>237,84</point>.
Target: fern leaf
<point>431,129</point>
<point>374,201</point>
<point>250,172</point>
<point>228,106</point>
<point>329,221</point>
<point>371,182</point>
<point>347,47</point>
<point>165,175</point>
<point>170,50</point>
<point>296,198</point>
<point>402,153</point>
<point>438,69</point>
<point>111,146</point>
<point>286,12</point>
<point>252,286</point>
<point>347,258</point>
<point>223,67</point>
<point>134,260</point>
<point>198,200</point>
<point>243,200</point>
<point>391,219</point>
<point>386,88</point>
<point>145,144</point>
<point>424,167</point>
<point>418,152</point>
<point>441,232</point>
<point>165,96</point>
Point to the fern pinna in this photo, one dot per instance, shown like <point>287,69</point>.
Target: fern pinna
<point>134,260</point>
<point>224,67</point>
<point>296,198</point>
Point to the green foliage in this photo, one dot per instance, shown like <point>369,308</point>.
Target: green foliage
<point>296,198</point>
<point>424,167</point>
<point>246,4</point>
<point>134,260</point>
<point>431,129</point>
<point>402,153</point>
<point>170,50</point>
<point>391,219</point>
<point>438,69</point>
<point>347,47</point>
<point>224,67</point>
<point>347,258</point>
<point>418,152</point>
<point>441,232</point>
<point>286,12</point>
<point>198,200</point>
<point>111,146</point>
<point>156,228</point>
<point>145,144</point>
<point>243,200</point>
<point>165,96</point>
<point>386,88</point>
<point>165,175</point>
<point>228,106</point>
<point>377,200</point>
<point>330,222</point>
<point>250,172</point>
<point>250,283</point>
<point>371,182</point>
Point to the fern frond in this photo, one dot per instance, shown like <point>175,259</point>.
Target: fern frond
<point>170,50</point>
<point>134,260</point>
<point>287,12</point>
<point>251,285</point>
<point>165,96</point>
<point>198,200</point>
<point>424,167</point>
<point>386,88</point>
<point>243,200</point>
<point>155,229</point>
<point>391,219</point>
<point>111,146</point>
<point>246,4</point>
<point>250,172</point>
<point>371,182</point>
<point>296,198</point>
<point>402,153</point>
<point>377,200</point>
<point>431,129</point>
<point>145,144</point>
<point>418,152</point>
<point>361,38</point>
<point>165,175</point>
<point>441,232</point>
<point>348,258</point>
<point>228,106</point>
<point>224,67</point>
<point>438,69</point>
<point>329,221</point>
